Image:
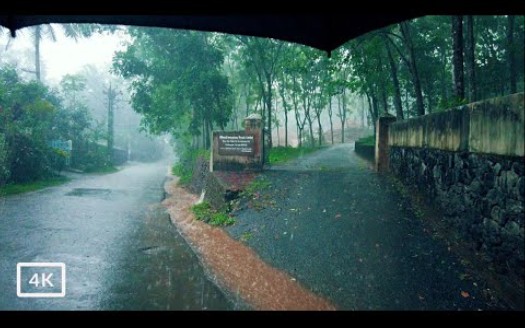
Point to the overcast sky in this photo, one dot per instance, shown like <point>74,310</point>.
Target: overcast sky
<point>66,56</point>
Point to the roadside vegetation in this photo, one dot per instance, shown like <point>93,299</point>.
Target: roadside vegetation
<point>206,213</point>
<point>279,155</point>
<point>186,164</point>
<point>19,188</point>
<point>365,147</point>
<point>367,141</point>
<point>407,69</point>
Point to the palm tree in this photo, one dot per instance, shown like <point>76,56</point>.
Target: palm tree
<point>74,31</point>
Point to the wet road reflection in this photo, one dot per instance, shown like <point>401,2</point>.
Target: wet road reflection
<point>119,247</point>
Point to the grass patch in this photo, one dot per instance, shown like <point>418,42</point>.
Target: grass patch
<point>245,236</point>
<point>20,188</point>
<point>221,219</point>
<point>205,212</point>
<point>101,169</point>
<point>367,141</point>
<point>257,198</point>
<point>257,185</point>
<point>280,155</point>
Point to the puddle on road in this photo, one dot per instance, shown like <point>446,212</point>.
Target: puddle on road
<point>152,250</point>
<point>95,192</point>
<point>156,269</point>
<point>89,192</point>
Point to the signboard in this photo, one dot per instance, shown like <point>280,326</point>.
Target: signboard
<point>236,143</point>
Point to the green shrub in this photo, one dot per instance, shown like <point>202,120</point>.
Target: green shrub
<point>31,161</point>
<point>184,167</point>
<point>202,211</point>
<point>205,212</point>
<point>4,163</point>
<point>221,219</point>
<point>367,141</point>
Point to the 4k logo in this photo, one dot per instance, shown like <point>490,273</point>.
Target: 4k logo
<point>40,279</point>
<point>46,280</point>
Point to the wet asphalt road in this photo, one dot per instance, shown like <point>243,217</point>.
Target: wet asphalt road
<point>345,232</point>
<point>120,249</point>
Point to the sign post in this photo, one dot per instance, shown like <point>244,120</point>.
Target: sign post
<point>239,150</point>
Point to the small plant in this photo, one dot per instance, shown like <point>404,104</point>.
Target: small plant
<point>202,211</point>
<point>183,173</point>
<point>184,168</point>
<point>245,236</point>
<point>205,212</point>
<point>257,185</point>
<point>221,219</point>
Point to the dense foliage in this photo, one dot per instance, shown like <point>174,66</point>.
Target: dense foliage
<point>31,117</point>
<point>189,83</point>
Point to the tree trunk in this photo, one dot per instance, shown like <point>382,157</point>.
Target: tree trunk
<point>457,58</point>
<point>111,115</point>
<point>470,61</point>
<point>269,109</point>
<point>295,102</point>
<point>247,94</point>
<point>278,136</point>
<point>38,36</point>
<point>395,81</point>
<point>285,106</point>
<point>203,133</point>
<point>320,131</point>
<point>330,113</point>
<point>363,112</point>
<point>405,30</point>
<point>311,130</point>
<point>384,99</point>
<point>370,110</point>
<point>342,117</point>
<point>512,54</point>
<point>285,127</point>
<point>375,108</point>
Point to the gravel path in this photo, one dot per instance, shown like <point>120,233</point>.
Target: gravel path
<point>345,233</point>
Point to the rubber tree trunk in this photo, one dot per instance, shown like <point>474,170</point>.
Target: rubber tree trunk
<point>457,56</point>
<point>470,60</point>
<point>395,82</point>
<point>512,54</point>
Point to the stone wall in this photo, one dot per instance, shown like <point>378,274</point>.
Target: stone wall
<point>494,126</point>
<point>469,161</point>
<point>481,195</point>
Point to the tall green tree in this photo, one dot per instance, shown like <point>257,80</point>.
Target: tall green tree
<point>74,31</point>
<point>178,84</point>
<point>262,56</point>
